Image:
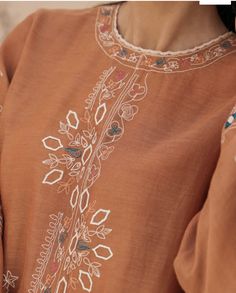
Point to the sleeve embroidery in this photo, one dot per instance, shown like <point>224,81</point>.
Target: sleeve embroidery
<point>229,124</point>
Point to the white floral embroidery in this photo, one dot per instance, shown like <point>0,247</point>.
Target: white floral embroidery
<point>74,161</point>
<point>9,281</point>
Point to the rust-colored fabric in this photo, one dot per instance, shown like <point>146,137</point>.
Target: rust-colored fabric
<point>117,163</point>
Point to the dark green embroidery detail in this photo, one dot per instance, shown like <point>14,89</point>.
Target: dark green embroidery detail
<point>114,130</point>
<point>229,122</point>
<point>226,44</point>
<point>74,152</point>
<point>62,236</point>
<point>122,52</point>
<point>81,245</point>
<point>160,62</point>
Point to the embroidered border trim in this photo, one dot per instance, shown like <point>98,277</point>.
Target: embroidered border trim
<point>112,46</point>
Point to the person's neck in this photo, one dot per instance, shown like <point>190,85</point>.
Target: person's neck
<point>168,25</point>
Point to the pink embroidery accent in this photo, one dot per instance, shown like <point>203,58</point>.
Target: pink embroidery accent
<point>115,46</point>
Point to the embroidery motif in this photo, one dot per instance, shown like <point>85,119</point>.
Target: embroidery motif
<point>231,119</point>
<point>75,245</point>
<point>9,281</point>
<point>116,47</point>
<point>229,124</point>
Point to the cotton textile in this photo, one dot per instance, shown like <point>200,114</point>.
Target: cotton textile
<point>117,162</point>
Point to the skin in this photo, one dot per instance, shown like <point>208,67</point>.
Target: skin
<point>168,25</point>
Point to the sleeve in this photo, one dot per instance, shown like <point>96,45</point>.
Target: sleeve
<point>1,251</point>
<point>11,51</point>
<point>206,259</point>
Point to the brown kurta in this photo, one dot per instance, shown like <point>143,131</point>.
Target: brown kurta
<point>117,163</point>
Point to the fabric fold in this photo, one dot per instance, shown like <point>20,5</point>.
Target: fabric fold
<point>206,260</point>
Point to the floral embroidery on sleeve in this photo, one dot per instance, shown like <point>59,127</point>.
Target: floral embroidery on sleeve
<point>229,124</point>
<point>231,118</point>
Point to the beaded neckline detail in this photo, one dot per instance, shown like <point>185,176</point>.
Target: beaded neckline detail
<point>115,46</point>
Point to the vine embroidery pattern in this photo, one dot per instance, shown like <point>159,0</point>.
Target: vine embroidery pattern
<point>74,247</point>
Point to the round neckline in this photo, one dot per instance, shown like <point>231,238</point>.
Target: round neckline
<point>116,47</point>
<point>146,51</point>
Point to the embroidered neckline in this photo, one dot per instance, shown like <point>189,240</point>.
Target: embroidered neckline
<point>115,46</point>
<point>157,52</point>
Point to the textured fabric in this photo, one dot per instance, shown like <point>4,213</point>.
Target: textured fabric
<point>117,163</point>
